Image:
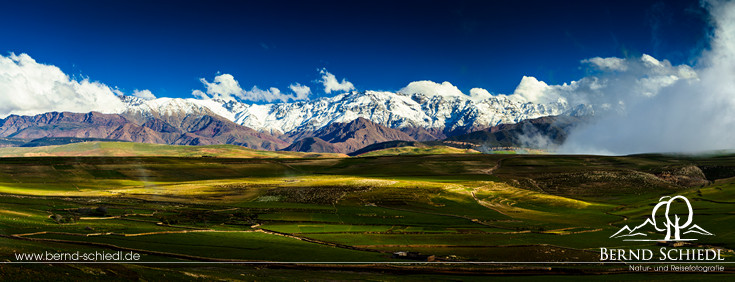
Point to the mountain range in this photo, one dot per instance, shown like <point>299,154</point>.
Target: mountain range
<point>182,130</point>
<point>344,123</point>
<point>436,114</point>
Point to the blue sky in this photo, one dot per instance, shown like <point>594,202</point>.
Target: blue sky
<point>167,46</point>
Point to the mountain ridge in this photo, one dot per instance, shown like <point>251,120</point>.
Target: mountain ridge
<point>348,137</point>
<point>343,123</point>
<point>190,130</point>
<point>424,117</point>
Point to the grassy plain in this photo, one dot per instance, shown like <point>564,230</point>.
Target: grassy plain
<point>410,150</point>
<point>454,208</point>
<point>130,149</point>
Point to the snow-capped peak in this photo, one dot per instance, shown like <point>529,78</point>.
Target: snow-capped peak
<point>391,109</point>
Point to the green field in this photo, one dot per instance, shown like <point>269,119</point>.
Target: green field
<point>410,150</point>
<point>445,207</point>
<point>130,149</point>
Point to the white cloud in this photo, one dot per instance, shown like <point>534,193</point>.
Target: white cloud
<point>268,95</point>
<point>199,94</point>
<point>302,91</point>
<point>144,94</point>
<point>445,89</point>
<point>607,64</point>
<point>331,83</point>
<point>533,90</point>
<point>431,89</point>
<point>225,87</point>
<point>29,88</point>
<point>479,94</point>
<point>650,61</point>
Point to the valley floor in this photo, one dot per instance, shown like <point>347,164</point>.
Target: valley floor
<point>417,217</point>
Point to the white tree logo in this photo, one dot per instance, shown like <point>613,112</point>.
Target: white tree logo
<point>673,226</point>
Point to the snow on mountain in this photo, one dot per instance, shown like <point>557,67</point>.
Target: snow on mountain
<point>395,110</point>
<point>175,106</point>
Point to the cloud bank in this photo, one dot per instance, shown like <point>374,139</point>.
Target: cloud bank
<point>678,109</point>
<point>30,88</point>
<point>612,83</point>
<point>641,104</point>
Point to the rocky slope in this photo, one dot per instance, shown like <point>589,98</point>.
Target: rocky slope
<point>387,145</point>
<point>347,137</point>
<point>312,144</point>
<point>193,129</point>
<point>540,133</point>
